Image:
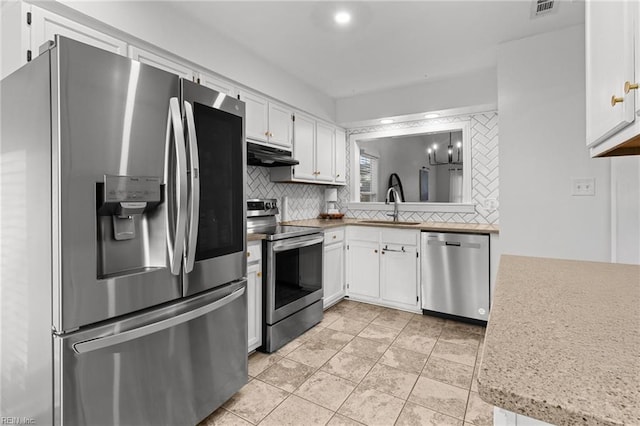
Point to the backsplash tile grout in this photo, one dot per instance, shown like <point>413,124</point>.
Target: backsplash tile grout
<point>307,201</point>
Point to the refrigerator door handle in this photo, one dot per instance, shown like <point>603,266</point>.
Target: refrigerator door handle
<point>136,333</point>
<point>176,247</point>
<point>194,205</point>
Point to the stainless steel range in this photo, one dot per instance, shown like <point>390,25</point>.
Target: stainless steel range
<point>292,296</point>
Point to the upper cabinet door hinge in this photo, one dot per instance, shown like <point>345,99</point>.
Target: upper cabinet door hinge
<point>28,18</point>
<point>417,254</point>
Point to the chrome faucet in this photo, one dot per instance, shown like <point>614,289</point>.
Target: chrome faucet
<point>396,200</point>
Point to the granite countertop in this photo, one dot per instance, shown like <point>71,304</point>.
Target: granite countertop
<point>476,228</point>
<point>563,341</point>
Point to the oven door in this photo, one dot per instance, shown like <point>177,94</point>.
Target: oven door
<point>294,275</point>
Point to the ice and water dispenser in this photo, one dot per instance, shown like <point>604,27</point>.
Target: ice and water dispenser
<point>131,225</point>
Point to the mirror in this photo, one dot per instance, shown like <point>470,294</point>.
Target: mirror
<point>428,164</point>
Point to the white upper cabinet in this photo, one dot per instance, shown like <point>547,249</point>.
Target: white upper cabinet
<point>304,131</point>
<point>161,62</point>
<point>340,154</point>
<point>612,74</point>
<point>217,84</point>
<point>257,113</point>
<point>280,125</point>
<point>267,122</point>
<point>320,148</point>
<point>45,25</point>
<point>325,141</point>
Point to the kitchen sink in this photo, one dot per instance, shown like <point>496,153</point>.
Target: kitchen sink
<point>389,222</point>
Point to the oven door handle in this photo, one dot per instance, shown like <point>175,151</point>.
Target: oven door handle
<point>295,243</point>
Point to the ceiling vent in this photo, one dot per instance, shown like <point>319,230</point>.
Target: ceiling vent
<point>543,8</point>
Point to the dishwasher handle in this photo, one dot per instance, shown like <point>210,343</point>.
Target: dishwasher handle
<point>438,243</point>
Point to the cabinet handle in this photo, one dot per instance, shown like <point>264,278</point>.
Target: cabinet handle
<point>248,254</point>
<point>615,100</point>
<point>375,251</point>
<point>334,237</point>
<point>270,134</point>
<point>266,133</point>
<point>628,86</point>
<point>258,274</point>
<point>382,251</point>
<point>338,175</point>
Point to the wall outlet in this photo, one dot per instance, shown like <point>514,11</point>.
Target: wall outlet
<point>583,186</point>
<point>491,204</point>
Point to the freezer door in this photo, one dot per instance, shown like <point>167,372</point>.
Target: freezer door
<point>215,248</point>
<point>173,365</point>
<point>115,123</point>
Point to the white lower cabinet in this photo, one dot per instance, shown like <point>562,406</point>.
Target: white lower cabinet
<point>383,267</point>
<point>333,275</point>
<point>399,275</point>
<point>364,270</point>
<point>254,295</point>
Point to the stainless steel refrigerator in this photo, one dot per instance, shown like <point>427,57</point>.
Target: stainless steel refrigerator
<point>123,242</point>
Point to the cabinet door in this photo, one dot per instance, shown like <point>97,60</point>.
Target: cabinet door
<point>364,273</point>
<point>257,113</point>
<point>304,142</point>
<point>325,138</point>
<point>609,64</point>
<point>44,25</point>
<point>15,36</point>
<point>333,274</point>
<point>216,84</point>
<point>254,305</point>
<point>280,125</point>
<point>161,62</point>
<point>399,275</point>
<point>340,156</point>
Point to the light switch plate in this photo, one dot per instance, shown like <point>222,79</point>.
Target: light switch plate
<point>583,186</point>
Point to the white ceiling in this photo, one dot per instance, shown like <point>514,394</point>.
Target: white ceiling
<point>388,44</point>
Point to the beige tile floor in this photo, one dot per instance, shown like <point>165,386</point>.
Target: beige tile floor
<point>365,364</point>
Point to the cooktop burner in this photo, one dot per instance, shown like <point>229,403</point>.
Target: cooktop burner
<point>261,219</point>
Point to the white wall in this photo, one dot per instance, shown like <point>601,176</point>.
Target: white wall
<point>625,212</point>
<point>541,102</point>
<point>479,88</point>
<point>161,24</point>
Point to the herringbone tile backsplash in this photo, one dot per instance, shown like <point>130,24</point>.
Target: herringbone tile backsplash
<point>307,201</point>
<point>304,201</point>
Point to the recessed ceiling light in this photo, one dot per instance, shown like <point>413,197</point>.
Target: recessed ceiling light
<point>342,17</point>
<point>386,121</point>
<point>432,115</point>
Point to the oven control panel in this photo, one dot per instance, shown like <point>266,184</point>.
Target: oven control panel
<point>262,207</point>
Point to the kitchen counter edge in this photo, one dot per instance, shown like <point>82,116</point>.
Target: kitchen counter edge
<point>550,355</point>
<point>476,228</point>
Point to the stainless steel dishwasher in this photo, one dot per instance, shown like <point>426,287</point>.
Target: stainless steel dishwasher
<point>455,274</point>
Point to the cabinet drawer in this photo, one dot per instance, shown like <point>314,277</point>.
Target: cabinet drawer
<point>254,251</point>
<point>334,236</point>
<point>363,233</point>
<point>400,236</point>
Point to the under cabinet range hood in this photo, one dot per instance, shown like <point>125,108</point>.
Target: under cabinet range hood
<point>266,156</point>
